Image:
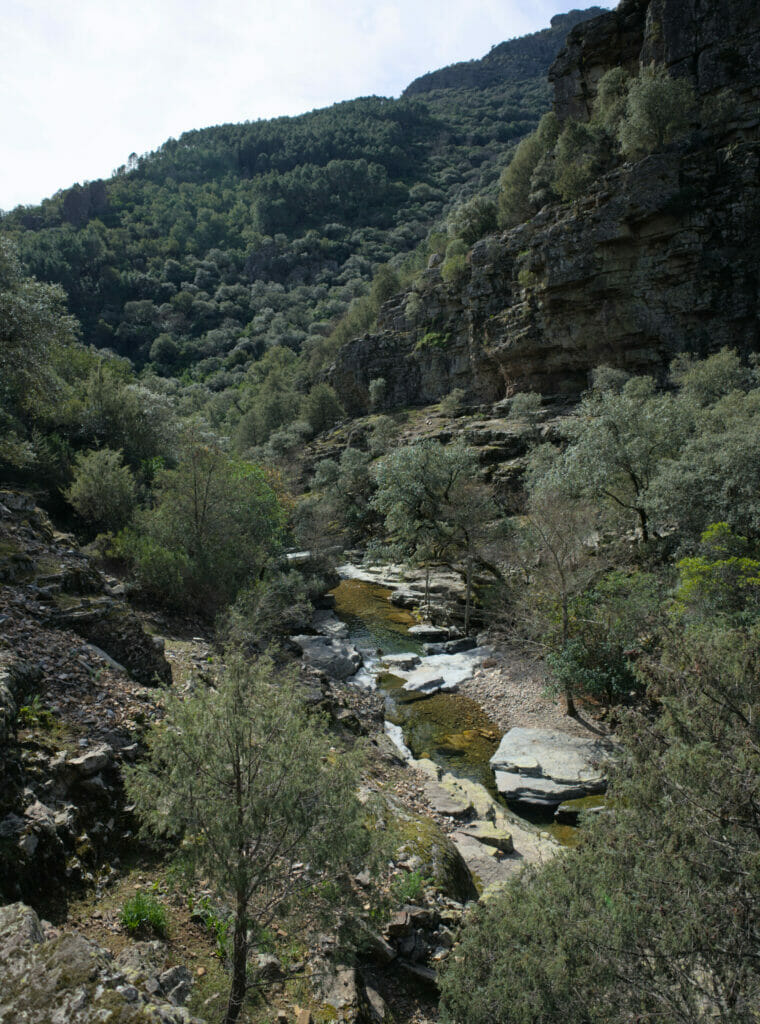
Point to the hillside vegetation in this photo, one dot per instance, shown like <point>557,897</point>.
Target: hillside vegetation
<point>181,421</point>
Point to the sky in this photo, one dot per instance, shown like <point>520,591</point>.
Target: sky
<point>84,83</point>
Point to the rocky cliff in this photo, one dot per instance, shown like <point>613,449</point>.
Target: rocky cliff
<point>657,257</point>
<point>714,43</point>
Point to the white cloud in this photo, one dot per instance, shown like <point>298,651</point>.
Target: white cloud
<point>83,83</point>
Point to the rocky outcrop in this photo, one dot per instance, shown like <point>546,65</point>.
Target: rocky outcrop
<point>68,978</point>
<point>60,588</point>
<point>657,257</point>
<point>715,45</point>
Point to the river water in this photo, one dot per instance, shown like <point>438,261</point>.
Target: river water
<point>448,728</point>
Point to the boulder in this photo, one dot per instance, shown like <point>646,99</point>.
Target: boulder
<point>327,623</point>
<point>336,658</point>
<point>547,767</point>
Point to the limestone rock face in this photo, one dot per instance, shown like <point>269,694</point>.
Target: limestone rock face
<point>657,257</point>
<point>544,766</point>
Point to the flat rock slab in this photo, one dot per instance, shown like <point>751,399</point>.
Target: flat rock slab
<point>444,800</point>
<point>442,673</point>
<point>335,658</point>
<point>547,767</point>
<point>404,662</point>
<point>424,631</point>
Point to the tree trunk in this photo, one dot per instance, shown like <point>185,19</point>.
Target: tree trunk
<point>644,521</point>
<point>239,957</point>
<point>427,589</point>
<point>569,701</point>
<point>468,595</point>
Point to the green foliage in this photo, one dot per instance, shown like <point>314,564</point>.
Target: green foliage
<point>34,715</point>
<point>347,488</point>
<point>215,524</point>
<point>610,623</point>
<point>658,110</point>
<point>515,186</point>
<point>409,886</point>
<point>525,405</point>
<point>251,783</point>
<point>435,508</point>
<point>432,339</point>
<point>321,408</point>
<point>655,913</point>
<point>619,439</point>
<point>377,392</point>
<point>473,219</point>
<point>272,608</point>
<point>219,924</point>
<point>723,578</point>
<point>103,490</point>
<point>578,158</point>
<point>611,99</point>
<point>143,914</point>
<point>451,404</point>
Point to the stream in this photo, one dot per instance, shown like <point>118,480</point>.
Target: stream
<point>447,728</point>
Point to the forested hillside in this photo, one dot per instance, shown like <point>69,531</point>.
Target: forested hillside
<point>413,446</point>
<point>229,240</point>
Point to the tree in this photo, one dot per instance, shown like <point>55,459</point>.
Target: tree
<point>655,916</point>
<point>515,186</point>
<point>436,509</point>
<point>215,524</point>
<point>250,782</point>
<point>658,110</point>
<point>552,545</point>
<point>103,490</point>
<point>34,329</point>
<point>321,408</point>
<point>619,437</point>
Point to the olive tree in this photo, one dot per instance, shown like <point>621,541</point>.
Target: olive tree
<point>436,509</point>
<point>251,784</point>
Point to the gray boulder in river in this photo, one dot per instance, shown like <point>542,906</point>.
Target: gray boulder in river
<point>545,766</point>
<point>336,658</point>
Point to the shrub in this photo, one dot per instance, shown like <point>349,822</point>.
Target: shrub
<point>103,489</point>
<point>321,408</point>
<point>658,110</point>
<point>451,404</point>
<point>377,391</point>
<point>409,887</point>
<point>143,914</point>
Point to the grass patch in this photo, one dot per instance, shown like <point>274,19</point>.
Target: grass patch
<point>142,913</point>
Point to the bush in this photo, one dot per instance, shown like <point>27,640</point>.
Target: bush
<point>409,887</point>
<point>143,914</point>
<point>658,110</point>
<point>451,404</point>
<point>377,391</point>
<point>103,489</point>
<point>321,408</point>
<point>515,187</point>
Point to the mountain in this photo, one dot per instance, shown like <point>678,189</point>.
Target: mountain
<point>200,256</point>
<point>653,256</point>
